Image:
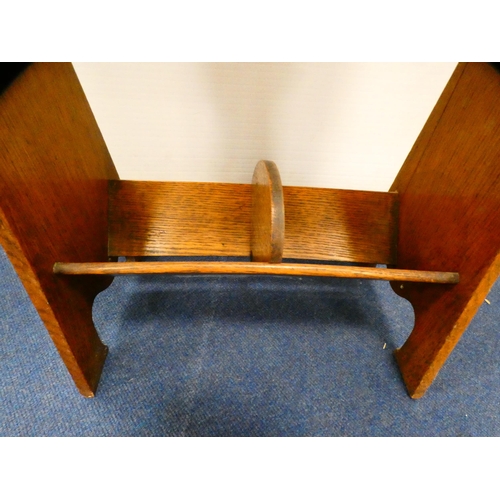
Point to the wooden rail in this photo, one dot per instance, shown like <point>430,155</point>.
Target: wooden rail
<point>290,269</point>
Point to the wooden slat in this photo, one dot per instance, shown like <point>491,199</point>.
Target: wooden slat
<point>200,219</point>
<point>341,225</point>
<point>293,269</point>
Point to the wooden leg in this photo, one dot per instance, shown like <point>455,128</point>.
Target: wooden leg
<point>80,348</point>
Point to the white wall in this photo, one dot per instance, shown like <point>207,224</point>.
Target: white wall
<point>343,125</point>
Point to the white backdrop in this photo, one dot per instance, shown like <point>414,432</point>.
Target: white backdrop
<point>339,125</point>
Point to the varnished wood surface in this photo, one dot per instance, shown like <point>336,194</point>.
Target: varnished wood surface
<point>54,171</point>
<point>202,219</point>
<point>449,191</point>
<point>268,214</point>
<point>294,269</point>
<point>341,225</point>
<point>178,218</point>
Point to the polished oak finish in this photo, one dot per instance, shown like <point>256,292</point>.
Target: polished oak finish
<point>54,171</point>
<point>65,217</point>
<point>449,192</point>
<point>268,214</point>
<point>341,225</point>
<point>214,219</point>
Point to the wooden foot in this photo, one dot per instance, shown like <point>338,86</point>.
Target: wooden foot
<point>64,304</point>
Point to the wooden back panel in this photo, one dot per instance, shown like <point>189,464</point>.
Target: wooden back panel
<point>200,219</point>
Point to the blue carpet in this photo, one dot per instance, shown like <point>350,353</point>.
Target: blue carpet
<point>244,356</point>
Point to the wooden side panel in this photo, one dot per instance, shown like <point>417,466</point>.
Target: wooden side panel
<point>449,192</point>
<point>54,171</point>
<point>200,219</point>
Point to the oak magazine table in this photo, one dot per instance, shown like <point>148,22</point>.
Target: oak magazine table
<point>66,218</point>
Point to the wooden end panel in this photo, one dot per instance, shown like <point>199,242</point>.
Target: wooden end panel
<point>54,171</point>
<point>449,190</point>
<point>203,219</point>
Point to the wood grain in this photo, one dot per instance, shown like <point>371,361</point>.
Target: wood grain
<point>341,225</point>
<point>178,218</point>
<point>54,171</point>
<point>268,214</point>
<point>449,190</point>
<point>202,219</point>
<point>293,269</point>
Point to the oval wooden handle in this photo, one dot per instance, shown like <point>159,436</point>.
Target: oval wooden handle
<point>268,214</point>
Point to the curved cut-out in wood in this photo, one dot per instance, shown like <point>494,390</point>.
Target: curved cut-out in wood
<point>268,214</point>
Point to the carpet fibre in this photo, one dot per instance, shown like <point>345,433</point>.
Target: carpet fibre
<point>244,356</point>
